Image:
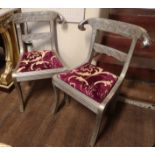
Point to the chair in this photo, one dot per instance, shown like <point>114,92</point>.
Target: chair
<point>93,86</point>
<point>36,64</point>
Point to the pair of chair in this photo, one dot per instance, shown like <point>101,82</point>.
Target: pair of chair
<point>90,85</point>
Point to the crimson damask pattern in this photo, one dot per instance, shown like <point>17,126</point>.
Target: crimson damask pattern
<point>38,60</point>
<point>91,80</point>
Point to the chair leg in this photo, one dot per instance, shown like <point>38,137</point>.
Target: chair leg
<point>67,99</point>
<point>56,100</point>
<point>96,129</point>
<point>113,107</point>
<point>114,104</point>
<point>20,94</point>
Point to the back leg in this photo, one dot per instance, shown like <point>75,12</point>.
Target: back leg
<point>67,99</point>
<point>96,129</point>
<point>20,95</point>
<point>56,100</point>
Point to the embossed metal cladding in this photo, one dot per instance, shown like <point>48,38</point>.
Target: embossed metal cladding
<point>87,82</point>
<point>118,27</point>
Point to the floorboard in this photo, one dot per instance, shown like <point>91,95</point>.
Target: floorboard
<point>73,124</point>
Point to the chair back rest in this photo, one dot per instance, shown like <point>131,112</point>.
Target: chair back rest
<point>22,20</point>
<point>121,28</point>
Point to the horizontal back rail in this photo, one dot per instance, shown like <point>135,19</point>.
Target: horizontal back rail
<point>124,29</point>
<point>35,36</point>
<point>119,55</point>
<point>34,17</point>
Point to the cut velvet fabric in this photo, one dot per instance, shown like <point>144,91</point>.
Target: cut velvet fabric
<point>38,60</point>
<point>91,80</point>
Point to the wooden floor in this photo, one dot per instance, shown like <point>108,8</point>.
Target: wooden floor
<point>73,124</point>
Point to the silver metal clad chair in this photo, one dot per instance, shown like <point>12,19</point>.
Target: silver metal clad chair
<point>36,64</point>
<point>93,86</point>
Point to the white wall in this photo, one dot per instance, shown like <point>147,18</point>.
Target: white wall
<point>73,43</point>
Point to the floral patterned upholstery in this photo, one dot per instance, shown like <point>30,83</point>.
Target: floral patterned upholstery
<point>38,60</point>
<point>91,80</point>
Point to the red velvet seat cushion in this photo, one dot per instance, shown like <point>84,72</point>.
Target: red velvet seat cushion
<point>38,60</point>
<point>91,80</point>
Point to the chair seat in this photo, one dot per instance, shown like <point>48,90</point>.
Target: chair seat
<point>38,60</point>
<point>91,80</point>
